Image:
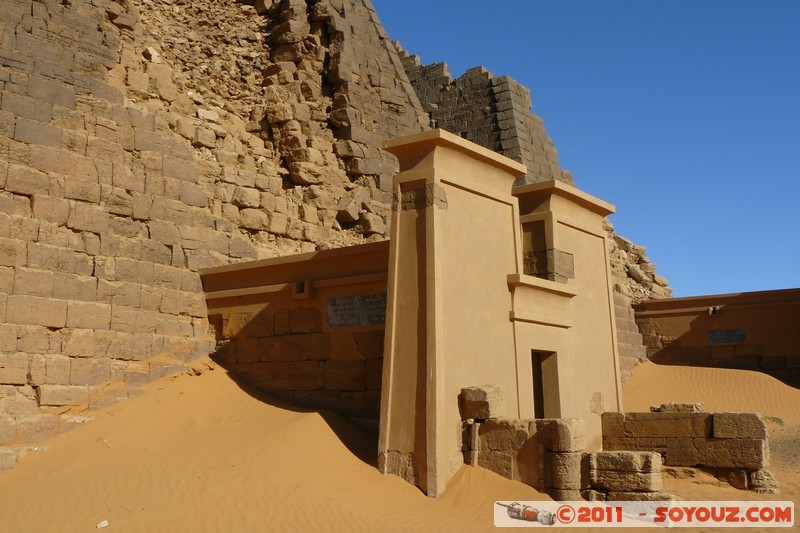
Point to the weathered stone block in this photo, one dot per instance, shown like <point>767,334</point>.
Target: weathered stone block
<point>681,452</point>
<point>36,311</point>
<point>564,435</point>
<point>369,343</point>
<point>503,434</point>
<point>180,168</point>
<point>6,280</point>
<point>670,425</point>
<point>305,320</point>
<point>345,375</point>
<point>33,282</point>
<point>694,407</point>
<point>735,477</point>
<point>37,339</point>
<point>764,482</point>
<point>50,208</point>
<point>73,287</point>
<point>591,495</point>
<point>566,470</point>
<point>308,375</point>
<point>57,368</point>
<point>8,432</point>
<point>626,461</point>
<point>281,322</point>
<point>78,342</point>
<point>733,453</point>
<point>84,190</point>
<point>621,496</point>
<point>392,462</point>
<point>8,459</point>
<point>613,424</point>
<point>625,481</point>
<point>501,463</point>
<point>14,369</point>
<point>27,181</point>
<point>87,217</point>
<point>8,338</point>
<point>36,428</point>
<point>481,403</point>
<point>59,395</point>
<point>34,132</point>
<point>13,252</point>
<point>88,372</point>
<point>739,426</point>
<point>561,495</point>
<point>88,315</point>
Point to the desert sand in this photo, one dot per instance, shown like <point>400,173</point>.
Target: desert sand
<point>201,453</point>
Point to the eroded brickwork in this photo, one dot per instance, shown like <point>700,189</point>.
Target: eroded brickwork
<point>494,112</point>
<point>141,141</point>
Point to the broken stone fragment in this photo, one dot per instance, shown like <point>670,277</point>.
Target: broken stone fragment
<point>304,173</point>
<point>350,205</point>
<point>764,482</point>
<point>152,55</point>
<point>694,407</point>
<point>482,402</point>
<point>370,223</point>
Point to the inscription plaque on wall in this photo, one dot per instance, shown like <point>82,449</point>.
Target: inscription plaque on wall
<point>354,311</point>
<point>726,336</point>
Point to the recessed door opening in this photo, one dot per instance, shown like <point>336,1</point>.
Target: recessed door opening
<point>545,385</point>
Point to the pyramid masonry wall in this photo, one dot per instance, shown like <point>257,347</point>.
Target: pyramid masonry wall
<point>143,140</point>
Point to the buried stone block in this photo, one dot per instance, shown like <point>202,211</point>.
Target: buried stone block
<point>562,434</point>
<point>625,461</point>
<point>733,453</point>
<point>481,403</point>
<point>591,495</point>
<point>503,434</point>
<point>565,470</point>
<point>763,481</point>
<point>568,495</point>
<point>738,478</point>
<point>498,462</point>
<point>625,481</point>
<point>8,459</point>
<point>668,425</point>
<point>613,424</point>
<point>739,426</point>
<point>625,496</point>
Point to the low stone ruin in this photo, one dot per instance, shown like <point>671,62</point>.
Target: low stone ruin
<point>732,446</point>
<point>623,476</point>
<point>549,454</point>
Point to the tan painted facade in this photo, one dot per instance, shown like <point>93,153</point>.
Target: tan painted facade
<point>462,312</point>
<point>484,284</point>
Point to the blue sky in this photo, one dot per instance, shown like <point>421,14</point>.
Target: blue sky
<point>684,114</point>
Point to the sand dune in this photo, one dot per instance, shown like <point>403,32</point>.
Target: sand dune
<point>200,453</point>
<point>719,388</point>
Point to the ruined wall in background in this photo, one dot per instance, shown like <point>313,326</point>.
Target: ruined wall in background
<point>492,112</point>
<point>749,331</point>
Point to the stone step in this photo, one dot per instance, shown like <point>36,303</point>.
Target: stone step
<point>629,337</point>
<point>636,352</point>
